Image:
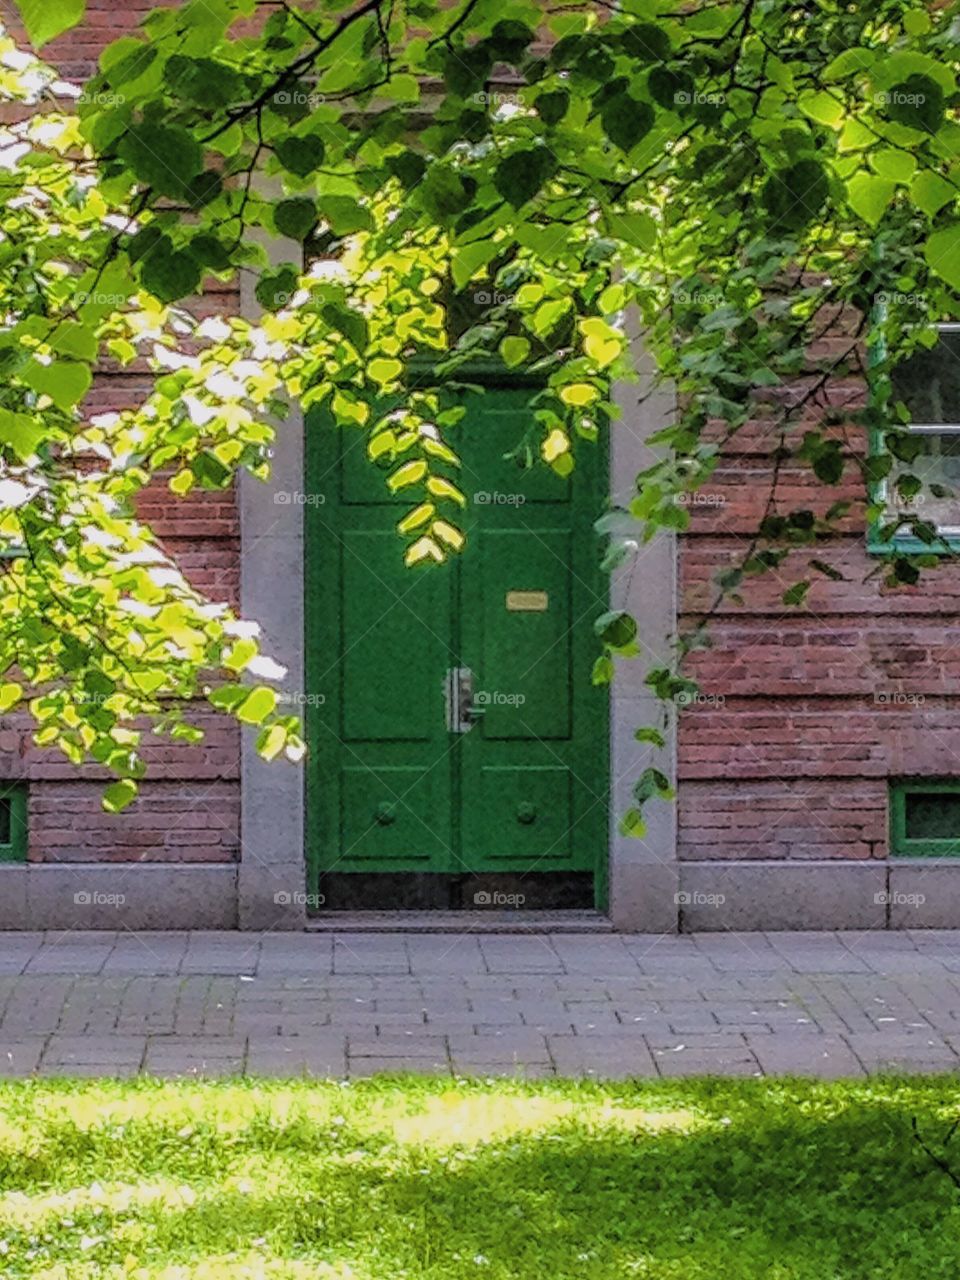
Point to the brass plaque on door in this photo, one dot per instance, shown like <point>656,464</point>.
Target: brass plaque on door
<point>527,601</point>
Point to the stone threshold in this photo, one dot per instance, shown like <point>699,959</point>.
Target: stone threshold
<point>572,921</point>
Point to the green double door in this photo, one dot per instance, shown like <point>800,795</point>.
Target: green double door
<point>453,728</point>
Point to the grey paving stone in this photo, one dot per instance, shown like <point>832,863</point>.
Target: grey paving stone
<point>20,1057</point>
<point>623,1058</point>
<point>393,1066</point>
<point>298,1056</point>
<point>825,1057</point>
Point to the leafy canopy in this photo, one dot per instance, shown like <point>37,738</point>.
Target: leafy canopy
<point>496,180</point>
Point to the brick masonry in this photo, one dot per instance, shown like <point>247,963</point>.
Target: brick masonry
<point>189,806</point>
<point>807,713</point>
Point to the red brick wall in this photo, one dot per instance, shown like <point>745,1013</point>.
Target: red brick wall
<point>189,806</point>
<point>806,713</point>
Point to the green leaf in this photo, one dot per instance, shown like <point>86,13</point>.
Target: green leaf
<point>869,196</point>
<point>10,695</point>
<point>203,82</point>
<point>917,102</point>
<point>46,19</point>
<point>255,708</point>
<point>301,155</point>
<point>849,63</point>
<point>164,157</point>
<point>409,473</point>
<point>275,288</point>
<point>796,594</point>
<point>795,195</point>
<point>826,108</point>
<point>552,107</point>
<point>892,163</point>
<point>469,258</point>
<point>626,121</point>
<point>21,432</point>
<point>942,252</point>
<point>616,628</point>
<point>648,734</point>
<point>345,215</point>
<point>384,370</point>
<point>66,382</point>
<point>602,672</point>
<point>519,176</point>
<point>169,273</point>
<point>118,795</point>
<point>295,218</point>
<point>638,229</point>
<point>514,351</point>
<point>930,192</point>
<point>632,824</point>
<point>71,338</point>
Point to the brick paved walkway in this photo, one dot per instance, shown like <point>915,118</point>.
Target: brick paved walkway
<point>491,1004</point>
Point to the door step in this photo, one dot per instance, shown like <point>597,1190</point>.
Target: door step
<point>459,922</point>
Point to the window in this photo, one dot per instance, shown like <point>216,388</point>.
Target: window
<point>13,822</point>
<point>929,384</point>
<point>925,819</point>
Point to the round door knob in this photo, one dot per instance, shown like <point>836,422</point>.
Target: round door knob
<point>385,813</point>
<point>526,813</point>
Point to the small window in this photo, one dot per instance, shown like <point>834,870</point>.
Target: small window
<point>13,823</point>
<point>928,383</point>
<point>925,819</point>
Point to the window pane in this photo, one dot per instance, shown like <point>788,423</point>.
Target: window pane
<point>932,815</point>
<point>938,465</point>
<point>929,382</point>
<point>6,820</point>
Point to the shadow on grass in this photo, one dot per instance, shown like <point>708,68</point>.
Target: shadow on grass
<point>774,1180</point>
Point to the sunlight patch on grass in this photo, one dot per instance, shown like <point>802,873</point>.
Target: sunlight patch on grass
<point>250,1267</point>
<point>457,1119</point>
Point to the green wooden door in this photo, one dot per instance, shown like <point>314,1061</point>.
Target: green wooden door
<point>393,786</point>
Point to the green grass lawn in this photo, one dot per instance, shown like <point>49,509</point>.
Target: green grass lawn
<point>385,1179</point>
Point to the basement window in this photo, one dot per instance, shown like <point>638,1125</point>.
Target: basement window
<point>13,822</point>
<point>925,819</point>
<point>928,383</point>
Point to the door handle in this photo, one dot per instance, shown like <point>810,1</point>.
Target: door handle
<point>462,712</point>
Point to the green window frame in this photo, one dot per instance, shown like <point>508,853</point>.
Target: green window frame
<point>902,543</point>
<point>13,822</point>
<point>902,845</point>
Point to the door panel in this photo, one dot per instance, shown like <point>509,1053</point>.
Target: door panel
<point>390,787</point>
<point>390,646</point>
<point>524,670</point>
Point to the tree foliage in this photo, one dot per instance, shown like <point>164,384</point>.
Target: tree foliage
<point>514,182</point>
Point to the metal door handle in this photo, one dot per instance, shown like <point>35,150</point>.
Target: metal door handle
<point>462,713</point>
